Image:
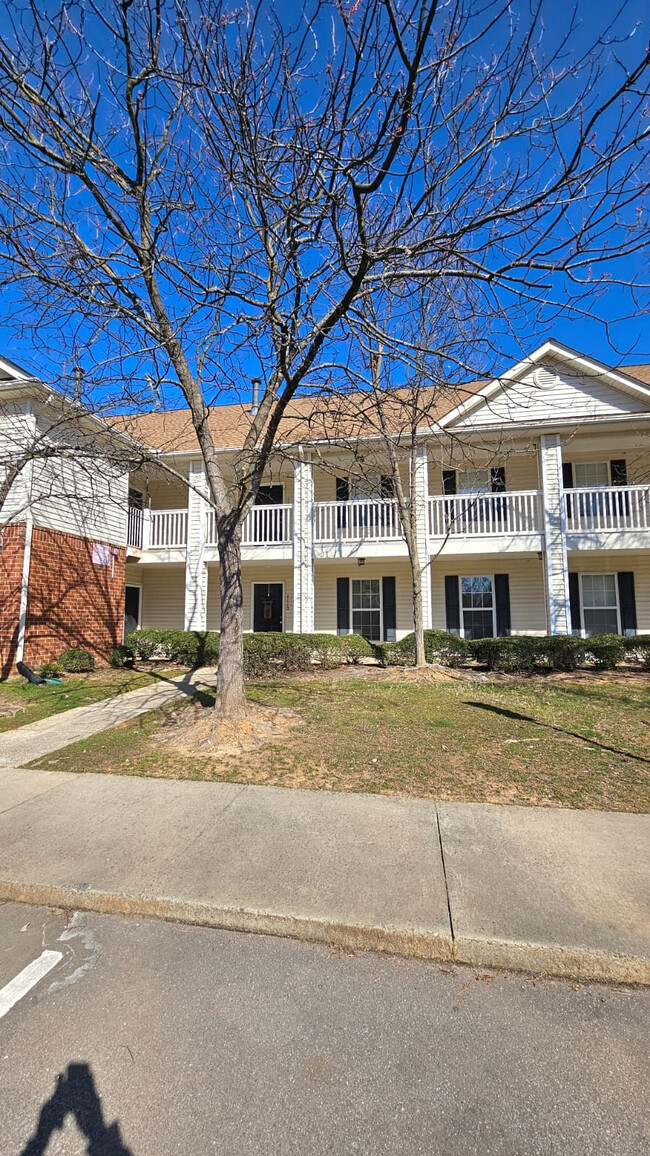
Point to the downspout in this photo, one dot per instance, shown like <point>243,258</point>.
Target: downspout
<point>27,558</point>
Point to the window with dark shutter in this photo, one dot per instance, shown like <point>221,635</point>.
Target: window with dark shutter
<point>627,601</point>
<point>502,603</point>
<point>342,605</point>
<point>389,598</point>
<point>574,603</point>
<point>452,603</point>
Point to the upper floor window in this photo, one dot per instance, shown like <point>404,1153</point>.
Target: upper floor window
<point>473,482</point>
<point>588,475</point>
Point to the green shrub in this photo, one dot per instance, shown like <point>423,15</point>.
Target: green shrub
<point>355,647</point>
<point>606,650</point>
<point>562,652</point>
<point>637,649</point>
<point>76,661</point>
<point>269,651</point>
<point>122,656</point>
<point>439,646</point>
<point>186,647</point>
<point>523,654</point>
<point>48,669</point>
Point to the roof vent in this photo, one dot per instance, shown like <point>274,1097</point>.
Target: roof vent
<point>545,378</point>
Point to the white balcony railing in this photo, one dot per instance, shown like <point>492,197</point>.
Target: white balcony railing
<point>263,526</point>
<point>168,529</point>
<point>484,515</point>
<point>135,518</point>
<point>608,508</point>
<point>357,520</point>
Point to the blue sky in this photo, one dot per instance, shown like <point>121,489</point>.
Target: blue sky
<point>612,327</point>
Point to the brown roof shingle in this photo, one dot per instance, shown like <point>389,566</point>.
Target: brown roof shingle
<point>315,418</point>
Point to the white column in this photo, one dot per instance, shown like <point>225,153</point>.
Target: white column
<point>555,555</point>
<point>421,500</point>
<point>196,571</point>
<point>303,560</point>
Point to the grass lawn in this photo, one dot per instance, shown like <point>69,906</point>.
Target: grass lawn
<point>575,743</point>
<point>22,703</point>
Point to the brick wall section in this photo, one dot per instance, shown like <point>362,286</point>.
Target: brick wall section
<point>11,570</point>
<point>71,601</point>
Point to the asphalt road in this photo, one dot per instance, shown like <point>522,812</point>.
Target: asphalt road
<point>149,1039</point>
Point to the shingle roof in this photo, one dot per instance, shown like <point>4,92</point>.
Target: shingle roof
<point>640,372</point>
<point>306,419</point>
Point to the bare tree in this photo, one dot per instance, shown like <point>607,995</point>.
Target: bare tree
<point>200,194</point>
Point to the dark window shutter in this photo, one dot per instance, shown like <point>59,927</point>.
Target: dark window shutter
<point>449,481</point>
<point>342,490</point>
<point>342,605</point>
<point>390,609</point>
<point>387,486</point>
<point>452,603</point>
<point>574,601</point>
<point>567,475</point>
<point>627,601</point>
<point>502,603</point>
<point>618,469</point>
<point>498,480</point>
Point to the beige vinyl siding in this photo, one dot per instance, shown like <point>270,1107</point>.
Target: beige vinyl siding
<point>17,431</point>
<point>252,572</point>
<point>327,572</point>
<point>610,562</point>
<point>527,597</point>
<point>162,605</point>
<point>325,479</point>
<point>165,495</point>
<point>573,397</point>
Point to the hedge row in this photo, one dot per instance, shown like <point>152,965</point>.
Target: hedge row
<point>264,653</point>
<point>520,653</point>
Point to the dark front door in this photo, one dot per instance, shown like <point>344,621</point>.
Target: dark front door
<point>267,606</point>
<point>131,609</point>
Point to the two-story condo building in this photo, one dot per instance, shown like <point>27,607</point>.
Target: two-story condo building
<point>533,498</point>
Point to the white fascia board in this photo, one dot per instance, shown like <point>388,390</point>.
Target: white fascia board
<point>550,348</point>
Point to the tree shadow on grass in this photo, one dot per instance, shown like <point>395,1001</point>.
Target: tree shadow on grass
<point>513,714</point>
<point>75,1095</point>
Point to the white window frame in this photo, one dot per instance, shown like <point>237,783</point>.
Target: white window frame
<point>591,485</point>
<point>460,602</point>
<point>259,582</point>
<point>381,604</point>
<point>600,574</point>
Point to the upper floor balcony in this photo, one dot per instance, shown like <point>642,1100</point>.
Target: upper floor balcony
<point>601,517</point>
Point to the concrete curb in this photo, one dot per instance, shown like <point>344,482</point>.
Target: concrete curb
<point>547,959</point>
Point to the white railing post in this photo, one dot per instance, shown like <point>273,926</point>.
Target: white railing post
<point>146,528</point>
<point>556,560</point>
<point>420,497</point>
<point>303,563</point>
<point>196,571</point>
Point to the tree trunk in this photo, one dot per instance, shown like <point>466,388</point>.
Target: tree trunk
<point>231,698</point>
<point>418,615</point>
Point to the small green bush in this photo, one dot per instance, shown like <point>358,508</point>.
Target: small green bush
<point>606,650</point>
<point>637,649</point>
<point>122,656</point>
<point>48,669</point>
<point>269,651</point>
<point>76,661</point>
<point>439,646</point>
<point>186,647</point>
<point>355,647</point>
<point>523,654</point>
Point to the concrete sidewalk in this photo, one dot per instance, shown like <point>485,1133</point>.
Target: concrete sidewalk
<point>24,744</point>
<point>562,892</point>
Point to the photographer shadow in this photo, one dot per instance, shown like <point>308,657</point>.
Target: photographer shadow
<point>75,1095</point>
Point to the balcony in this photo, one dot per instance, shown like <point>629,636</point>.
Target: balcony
<point>263,526</point>
<point>608,510</point>
<point>485,515</point>
<point>373,520</point>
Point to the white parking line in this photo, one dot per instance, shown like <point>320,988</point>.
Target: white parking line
<point>27,979</point>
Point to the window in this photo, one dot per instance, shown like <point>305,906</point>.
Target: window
<point>474,482</point>
<point>477,606</point>
<point>366,608</point>
<point>590,475</point>
<point>599,604</point>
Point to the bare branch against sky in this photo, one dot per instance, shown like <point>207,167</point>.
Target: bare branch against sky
<point>195,193</point>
